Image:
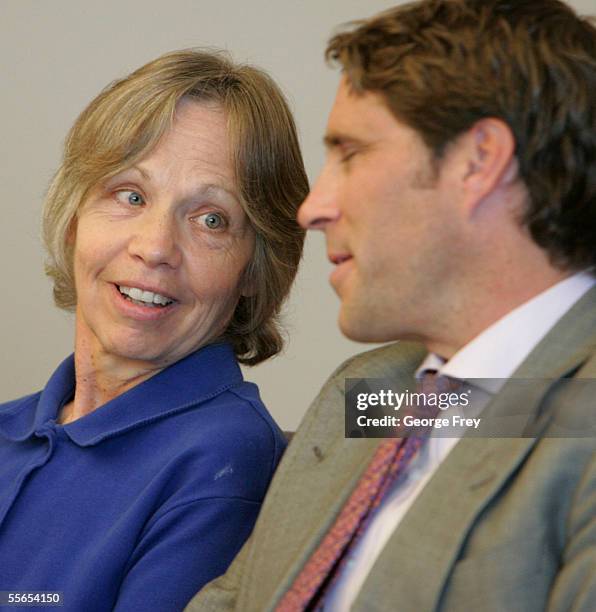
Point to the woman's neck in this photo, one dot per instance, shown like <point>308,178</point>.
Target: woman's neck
<point>101,376</point>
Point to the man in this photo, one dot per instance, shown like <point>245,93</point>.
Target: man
<point>458,201</point>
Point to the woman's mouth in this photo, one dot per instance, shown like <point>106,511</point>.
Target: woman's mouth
<point>141,297</point>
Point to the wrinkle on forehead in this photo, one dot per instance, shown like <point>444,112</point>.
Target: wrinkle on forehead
<point>199,141</point>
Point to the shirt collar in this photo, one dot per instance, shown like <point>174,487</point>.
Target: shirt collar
<point>432,363</point>
<point>194,379</point>
<point>494,355</point>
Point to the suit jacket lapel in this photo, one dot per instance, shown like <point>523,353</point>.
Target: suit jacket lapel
<point>291,533</point>
<point>320,469</point>
<point>433,531</point>
<point>418,557</point>
<point>570,343</point>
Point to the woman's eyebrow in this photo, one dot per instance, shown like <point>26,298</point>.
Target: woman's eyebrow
<point>145,173</point>
<point>124,174</point>
<point>210,190</point>
<point>202,189</point>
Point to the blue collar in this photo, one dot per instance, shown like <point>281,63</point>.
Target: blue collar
<point>192,380</point>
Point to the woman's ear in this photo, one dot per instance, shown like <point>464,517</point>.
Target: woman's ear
<point>248,281</point>
<point>71,232</point>
<point>248,287</point>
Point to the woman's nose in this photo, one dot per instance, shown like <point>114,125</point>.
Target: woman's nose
<point>155,240</point>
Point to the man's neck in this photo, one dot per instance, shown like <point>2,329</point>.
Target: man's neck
<point>487,307</point>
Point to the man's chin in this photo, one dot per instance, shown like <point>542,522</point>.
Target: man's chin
<point>359,329</point>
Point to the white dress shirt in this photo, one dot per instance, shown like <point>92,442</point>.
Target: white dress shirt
<point>494,354</point>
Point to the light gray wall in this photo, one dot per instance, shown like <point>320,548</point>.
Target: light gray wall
<point>56,55</point>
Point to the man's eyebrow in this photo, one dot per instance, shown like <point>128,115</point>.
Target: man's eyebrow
<point>333,140</point>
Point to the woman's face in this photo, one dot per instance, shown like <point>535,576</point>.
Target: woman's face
<point>161,247</point>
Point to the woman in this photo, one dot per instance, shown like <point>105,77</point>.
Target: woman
<point>137,473</point>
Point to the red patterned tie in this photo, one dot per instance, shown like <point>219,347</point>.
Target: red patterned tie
<point>390,460</point>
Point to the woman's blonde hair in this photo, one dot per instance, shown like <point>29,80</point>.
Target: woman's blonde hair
<point>125,122</point>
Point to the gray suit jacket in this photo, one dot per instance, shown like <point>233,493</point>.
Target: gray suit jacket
<point>504,524</point>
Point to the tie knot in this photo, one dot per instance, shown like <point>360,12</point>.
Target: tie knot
<point>431,387</point>
<point>433,382</point>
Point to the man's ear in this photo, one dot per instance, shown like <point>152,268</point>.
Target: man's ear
<point>489,159</point>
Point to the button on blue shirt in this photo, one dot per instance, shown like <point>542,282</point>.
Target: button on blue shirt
<point>138,504</point>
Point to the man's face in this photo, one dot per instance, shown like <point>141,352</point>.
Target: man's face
<point>390,221</point>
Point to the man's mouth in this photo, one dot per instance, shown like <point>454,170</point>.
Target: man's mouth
<point>145,298</point>
<point>338,259</point>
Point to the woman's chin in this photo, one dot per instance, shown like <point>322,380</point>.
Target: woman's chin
<point>139,350</point>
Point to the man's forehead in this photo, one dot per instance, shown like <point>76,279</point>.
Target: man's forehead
<point>357,116</point>
<point>349,97</point>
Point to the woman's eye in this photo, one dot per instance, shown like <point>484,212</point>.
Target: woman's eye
<point>212,220</point>
<point>127,196</point>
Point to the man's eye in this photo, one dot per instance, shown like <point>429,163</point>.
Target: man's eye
<point>347,156</point>
<point>127,196</point>
<point>212,220</point>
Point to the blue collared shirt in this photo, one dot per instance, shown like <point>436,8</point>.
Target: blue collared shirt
<point>138,504</point>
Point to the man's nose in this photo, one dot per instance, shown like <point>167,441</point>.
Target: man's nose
<point>155,240</point>
<point>320,207</point>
